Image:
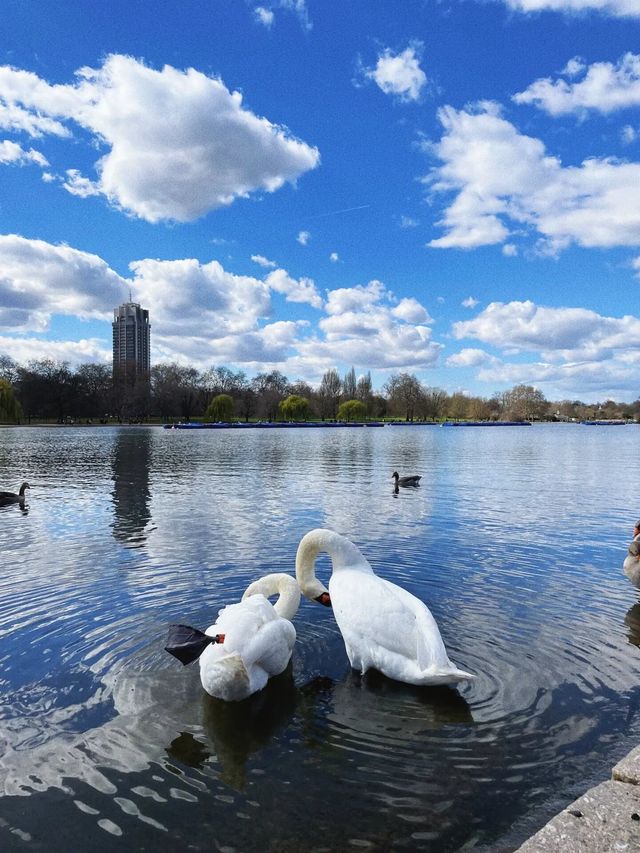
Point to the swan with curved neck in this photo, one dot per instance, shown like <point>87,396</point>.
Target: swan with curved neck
<point>257,639</point>
<point>383,626</point>
<point>12,497</point>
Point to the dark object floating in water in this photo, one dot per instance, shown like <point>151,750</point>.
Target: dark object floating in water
<point>274,425</point>
<point>484,423</point>
<point>605,422</point>
<point>12,498</point>
<point>406,481</point>
<point>187,644</point>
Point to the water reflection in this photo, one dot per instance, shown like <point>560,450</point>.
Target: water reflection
<point>131,464</point>
<point>236,730</point>
<point>632,621</point>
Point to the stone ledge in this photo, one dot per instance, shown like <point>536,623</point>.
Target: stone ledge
<point>606,818</point>
<point>628,769</point>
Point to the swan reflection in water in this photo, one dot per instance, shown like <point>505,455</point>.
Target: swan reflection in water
<point>632,621</point>
<point>237,730</point>
<point>160,717</point>
<point>369,706</point>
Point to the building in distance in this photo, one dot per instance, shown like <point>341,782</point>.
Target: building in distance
<point>131,342</point>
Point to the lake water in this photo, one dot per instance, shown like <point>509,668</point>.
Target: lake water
<point>515,539</point>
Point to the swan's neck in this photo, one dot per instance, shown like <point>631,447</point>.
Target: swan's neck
<point>282,585</point>
<point>342,552</point>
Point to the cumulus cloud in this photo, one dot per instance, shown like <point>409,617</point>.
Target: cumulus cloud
<point>179,143</point>
<point>411,311</point>
<point>365,327</point>
<point>509,250</point>
<point>558,334</point>
<point>26,349</point>
<point>399,74</point>
<point>334,257</point>
<point>615,8</point>
<point>11,152</point>
<point>470,357</point>
<point>604,88</point>
<point>202,314</point>
<point>500,177</point>
<point>469,302</point>
<point>295,290</point>
<point>303,238</point>
<point>38,279</point>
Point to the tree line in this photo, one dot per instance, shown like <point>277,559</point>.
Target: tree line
<point>51,391</point>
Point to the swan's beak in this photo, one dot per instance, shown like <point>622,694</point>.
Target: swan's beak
<point>325,599</point>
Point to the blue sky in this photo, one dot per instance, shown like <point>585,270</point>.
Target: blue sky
<point>446,188</point>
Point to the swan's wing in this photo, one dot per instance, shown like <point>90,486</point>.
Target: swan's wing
<point>254,630</point>
<point>379,620</point>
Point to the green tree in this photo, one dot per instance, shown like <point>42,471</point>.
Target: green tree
<point>352,410</point>
<point>524,403</point>
<point>329,394</point>
<point>220,408</point>
<point>294,408</point>
<point>405,393</point>
<point>10,409</point>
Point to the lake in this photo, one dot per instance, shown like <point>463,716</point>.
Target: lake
<point>515,539</point>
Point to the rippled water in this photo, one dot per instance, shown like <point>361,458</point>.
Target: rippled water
<point>515,539</point>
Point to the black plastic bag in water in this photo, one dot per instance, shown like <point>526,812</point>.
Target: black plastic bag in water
<point>187,644</point>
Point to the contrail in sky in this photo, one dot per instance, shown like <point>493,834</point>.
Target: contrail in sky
<point>346,210</point>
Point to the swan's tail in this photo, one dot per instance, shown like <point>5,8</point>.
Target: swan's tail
<point>226,678</point>
<point>450,675</point>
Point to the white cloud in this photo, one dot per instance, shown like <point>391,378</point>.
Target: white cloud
<point>470,357</point>
<point>615,8</point>
<point>587,381</point>
<point>303,238</point>
<point>558,334</point>
<point>11,152</point>
<point>334,257</point>
<point>17,119</point>
<point>469,302</point>
<point>263,262</point>
<point>23,350</point>
<point>295,290</point>
<point>628,134</point>
<point>358,298</point>
<point>264,16</point>
<point>574,66</point>
<point>605,88</point>
<point>399,75</point>
<point>635,264</point>
<point>408,222</point>
<point>411,311</point>
<point>77,184</point>
<point>38,279</point>
<point>179,143</point>
<point>501,176</point>
<point>365,328</point>
<point>509,250</point>
<point>183,295</point>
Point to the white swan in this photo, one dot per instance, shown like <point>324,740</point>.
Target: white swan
<point>631,565</point>
<point>258,639</point>
<point>384,627</point>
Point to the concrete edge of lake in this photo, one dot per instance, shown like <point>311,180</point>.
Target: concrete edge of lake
<point>605,818</point>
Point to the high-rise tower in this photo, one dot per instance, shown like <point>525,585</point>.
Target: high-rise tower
<point>131,334</point>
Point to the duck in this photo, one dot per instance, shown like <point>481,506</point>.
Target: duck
<point>631,565</point>
<point>12,497</point>
<point>413,480</point>
<point>249,642</point>
<point>384,627</point>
